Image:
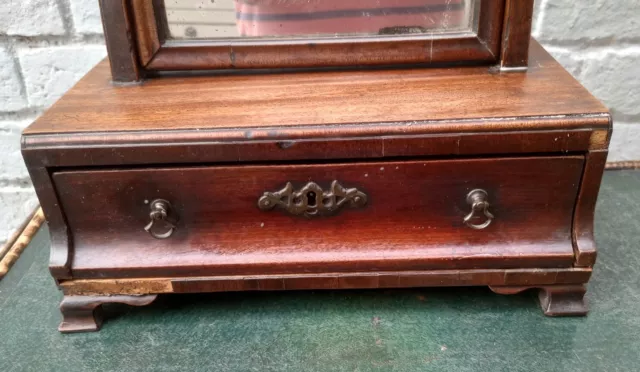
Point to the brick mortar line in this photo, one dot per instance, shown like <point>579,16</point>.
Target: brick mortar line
<point>625,119</point>
<point>609,42</point>
<point>596,52</point>
<point>15,184</point>
<point>51,40</point>
<point>28,113</point>
<point>64,8</point>
<point>17,69</point>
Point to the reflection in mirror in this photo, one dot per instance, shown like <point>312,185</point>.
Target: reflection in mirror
<point>210,19</point>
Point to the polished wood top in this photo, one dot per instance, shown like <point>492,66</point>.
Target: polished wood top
<point>393,97</point>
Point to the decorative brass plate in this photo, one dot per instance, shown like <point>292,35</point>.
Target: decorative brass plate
<point>312,201</point>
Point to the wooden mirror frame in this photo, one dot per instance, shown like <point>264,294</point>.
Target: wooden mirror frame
<point>136,38</point>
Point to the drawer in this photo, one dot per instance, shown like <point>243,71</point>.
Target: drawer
<point>373,216</point>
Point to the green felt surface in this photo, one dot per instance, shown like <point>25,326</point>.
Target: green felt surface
<point>446,329</point>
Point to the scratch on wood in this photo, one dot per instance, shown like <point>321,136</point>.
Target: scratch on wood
<point>232,56</point>
<point>598,140</point>
<point>484,42</point>
<point>431,49</point>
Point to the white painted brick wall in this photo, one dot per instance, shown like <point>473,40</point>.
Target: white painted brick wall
<point>86,16</point>
<point>49,72</point>
<point>31,18</point>
<point>47,45</point>
<point>598,41</point>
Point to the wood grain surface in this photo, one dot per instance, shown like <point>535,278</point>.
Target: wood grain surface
<point>472,46</point>
<point>278,101</point>
<point>413,218</point>
<point>583,239</point>
<point>117,22</point>
<point>516,34</point>
<point>501,281</point>
<point>416,141</point>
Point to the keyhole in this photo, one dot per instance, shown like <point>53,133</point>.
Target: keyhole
<point>311,198</point>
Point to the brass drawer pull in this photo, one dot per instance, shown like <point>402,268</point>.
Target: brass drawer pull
<point>477,199</point>
<point>160,215</point>
<point>312,201</point>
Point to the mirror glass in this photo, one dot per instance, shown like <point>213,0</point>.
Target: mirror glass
<point>215,19</point>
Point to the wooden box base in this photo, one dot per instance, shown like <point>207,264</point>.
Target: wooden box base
<point>81,304</point>
<point>321,180</point>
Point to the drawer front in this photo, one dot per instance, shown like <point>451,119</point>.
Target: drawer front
<point>409,215</point>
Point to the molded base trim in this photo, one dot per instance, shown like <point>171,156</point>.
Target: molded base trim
<point>84,313</point>
<point>555,300</point>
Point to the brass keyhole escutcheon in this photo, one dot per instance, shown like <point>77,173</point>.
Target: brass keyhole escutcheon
<point>161,224</point>
<point>312,201</point>
<point>478,200</point>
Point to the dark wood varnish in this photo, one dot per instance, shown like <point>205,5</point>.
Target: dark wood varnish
<point>120,41</point>
<point>460,99</point>
<point>146,28</point>
<point>516,34</point>
<point>331,144</point>
<point>137,28</point>
<point>413,218</point>
<point>583,239</point>
<point>415,141</point>
<point>61,245</point>
<point>158,54</point>
<point>500,281</point>
<point>184,56</point>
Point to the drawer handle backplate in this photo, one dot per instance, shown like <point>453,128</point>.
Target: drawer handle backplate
<point>312,201</point>
<point>477,199</point>
<point>160,220</point>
